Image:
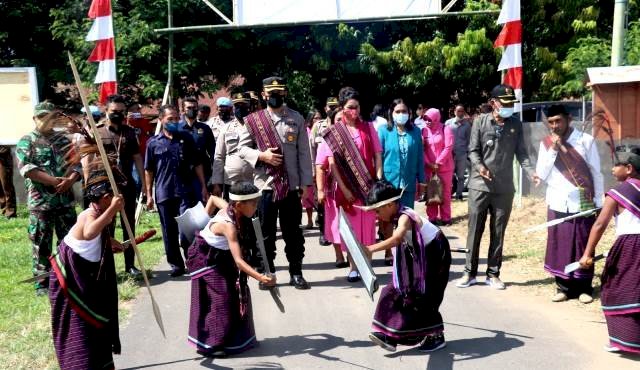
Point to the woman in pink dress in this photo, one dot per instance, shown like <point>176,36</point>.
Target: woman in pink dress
<point>326,186</point>
<point>352,151</point>
<point>438,141</point>
<point>308,202</point>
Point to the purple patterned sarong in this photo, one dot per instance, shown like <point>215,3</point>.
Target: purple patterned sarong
<point>621,277</point>
<point>566,243</point>
<point>84,310</point>
<point>408,310</point>
<point>221,316</point>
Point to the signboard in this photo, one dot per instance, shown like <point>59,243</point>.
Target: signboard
<point>18,96</point>
<point>261,12</point>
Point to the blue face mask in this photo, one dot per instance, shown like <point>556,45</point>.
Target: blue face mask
<point>171,127</point>
<point>400,118</point>
<point>505,112</point>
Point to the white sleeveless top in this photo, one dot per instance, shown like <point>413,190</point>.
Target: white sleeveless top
<point>428,231</point>
<point>91,250</point>
<point>216,241</point>
<point>627,223</point>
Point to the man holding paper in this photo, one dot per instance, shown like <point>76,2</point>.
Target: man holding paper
<point>568,162</point>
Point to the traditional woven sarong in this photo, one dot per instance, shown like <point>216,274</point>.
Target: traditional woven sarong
<point>566,243</point>
<point>408,310</point>
<point>84,309</point>
<point>621,277</point>
<point>576,170</point>
<point>356,168</point>
<point>262,128</point>
<point>221,315</point>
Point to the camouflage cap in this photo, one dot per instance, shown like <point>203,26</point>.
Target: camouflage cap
<point>43,108</point>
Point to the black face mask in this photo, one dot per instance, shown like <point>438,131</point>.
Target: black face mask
<point>191,113</point>
<point>116,117</point>
<point>225,115</point>
<point>241,112</point>
<point>275,100</point>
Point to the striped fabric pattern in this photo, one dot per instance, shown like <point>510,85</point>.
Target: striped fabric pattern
<point>349,161</point>
<point>84,311</point>
<point>264,133</point>
<point>105,50</point>
<point>216,320</point>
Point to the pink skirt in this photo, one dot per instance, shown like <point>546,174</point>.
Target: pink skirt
<point>363,223</point>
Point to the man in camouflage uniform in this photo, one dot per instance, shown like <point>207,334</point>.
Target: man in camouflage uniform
<point>7,191</point>
<point>41,161</point>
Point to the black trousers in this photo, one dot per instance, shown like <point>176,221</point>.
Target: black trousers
<point>320,210</point>
<point>289,210</point>
<point>574,287</point>
<point>498,206</point>
<point>173,239</point>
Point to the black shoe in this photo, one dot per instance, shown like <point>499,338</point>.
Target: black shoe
<point>215,352</point>
<point>299,282</point>
<point>324,242</point>
<point>341,264</point>
<point>432,343</point>
<point>177,272</point>
<point>353,276</point>
<point>133,272</point>
<point>383,341</point>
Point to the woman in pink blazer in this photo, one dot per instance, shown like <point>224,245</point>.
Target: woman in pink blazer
<point>438,143</point>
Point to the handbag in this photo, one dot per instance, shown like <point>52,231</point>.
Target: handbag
<point>434,190</point>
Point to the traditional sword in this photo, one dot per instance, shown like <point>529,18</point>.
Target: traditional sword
<point>561,220</point>
<point>573,266</point>
<point>274,291</point>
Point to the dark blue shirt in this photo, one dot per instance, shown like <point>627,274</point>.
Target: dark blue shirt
<point>172,162</point>
<point>205,143</point>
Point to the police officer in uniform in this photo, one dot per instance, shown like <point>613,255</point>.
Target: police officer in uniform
<point>295,159</point>
<point>121,144</point>
<point>234,149</point>
<point>496,138</point>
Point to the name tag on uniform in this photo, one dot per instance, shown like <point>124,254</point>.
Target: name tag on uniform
<point>200,131</point>
<point>291,135</point>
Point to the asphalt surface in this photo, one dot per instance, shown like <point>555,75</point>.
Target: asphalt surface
<point>327,327</point>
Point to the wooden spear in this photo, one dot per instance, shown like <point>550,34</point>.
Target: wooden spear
<point>107,167</point>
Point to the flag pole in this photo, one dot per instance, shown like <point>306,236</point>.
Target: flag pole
<point>107,167</point>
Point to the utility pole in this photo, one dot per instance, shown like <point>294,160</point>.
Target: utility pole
<point>619,30</point>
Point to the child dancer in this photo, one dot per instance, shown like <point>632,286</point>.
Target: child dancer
<point>83,287</point>
<point>621,276</point>
<point>407,311</point>
<point>221,320</point>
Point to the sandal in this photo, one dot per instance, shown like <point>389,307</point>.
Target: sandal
<point>341,264</point>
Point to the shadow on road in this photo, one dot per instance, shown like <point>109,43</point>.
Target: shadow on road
<point>313,345</point>
<point>465,349</point>
<point>162,363</point>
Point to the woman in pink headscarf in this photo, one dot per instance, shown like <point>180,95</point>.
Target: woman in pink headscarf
<point>438,143</point>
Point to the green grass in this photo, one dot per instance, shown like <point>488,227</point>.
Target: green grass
<point>25,331</point>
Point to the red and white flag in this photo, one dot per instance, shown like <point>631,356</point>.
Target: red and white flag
<point>105,50</point>
<point>510,38</point>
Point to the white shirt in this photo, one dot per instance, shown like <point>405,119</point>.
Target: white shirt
<point>379,122</point>
<point>215,240</point>
<point>627,223</point>
<point>563,196</point>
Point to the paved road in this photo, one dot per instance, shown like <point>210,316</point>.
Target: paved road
<point>327,326</point>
